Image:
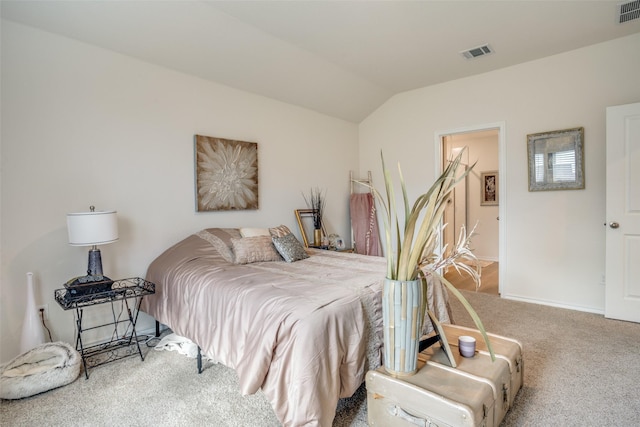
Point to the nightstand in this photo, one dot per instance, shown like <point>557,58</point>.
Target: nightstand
<point>326,248</point>
<point>125,297</point>
<point>347,250</point>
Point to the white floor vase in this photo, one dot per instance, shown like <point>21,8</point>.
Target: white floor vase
<point>32,333</point>
<point>403,313</point>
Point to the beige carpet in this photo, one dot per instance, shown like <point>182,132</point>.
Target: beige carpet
<point>580,370</point>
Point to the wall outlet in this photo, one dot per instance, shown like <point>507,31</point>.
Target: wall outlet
<point>44,307</point>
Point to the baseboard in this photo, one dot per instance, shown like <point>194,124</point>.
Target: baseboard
<point>553,304</point>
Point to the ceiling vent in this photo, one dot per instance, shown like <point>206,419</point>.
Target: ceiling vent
<point>478,51</point>
<point>628,11</point>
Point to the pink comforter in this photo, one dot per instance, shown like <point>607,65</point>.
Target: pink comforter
<point>304,332</point>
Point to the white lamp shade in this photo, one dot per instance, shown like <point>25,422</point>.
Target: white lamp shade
<point>92,228</point>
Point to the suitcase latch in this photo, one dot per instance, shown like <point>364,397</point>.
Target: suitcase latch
<point>505,396</point>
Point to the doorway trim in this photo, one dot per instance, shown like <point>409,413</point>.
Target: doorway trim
<point>502,162</point>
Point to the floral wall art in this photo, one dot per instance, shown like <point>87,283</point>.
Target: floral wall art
<point>226,174</point>
<point>489,183</point>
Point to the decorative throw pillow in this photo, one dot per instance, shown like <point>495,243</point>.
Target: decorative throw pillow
<point>252,232</point>
<point>254,249</point>
<point>290,248</point>
<point>279,231</point>
<point>220,239</point>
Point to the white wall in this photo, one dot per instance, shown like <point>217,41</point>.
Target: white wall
<point>554,240</point>
<point>82,125</point>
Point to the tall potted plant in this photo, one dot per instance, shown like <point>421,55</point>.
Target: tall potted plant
<point>413,257</point>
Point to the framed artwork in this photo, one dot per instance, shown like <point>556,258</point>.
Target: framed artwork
<point>489,188</point>
<point>226,174</point>
<point>556,160</point>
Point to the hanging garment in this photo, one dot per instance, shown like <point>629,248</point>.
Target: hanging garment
<point>365,224</point>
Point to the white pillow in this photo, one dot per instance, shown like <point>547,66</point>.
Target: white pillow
<point>253,232</point>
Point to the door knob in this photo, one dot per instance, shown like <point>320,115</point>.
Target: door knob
<point>614,224</point>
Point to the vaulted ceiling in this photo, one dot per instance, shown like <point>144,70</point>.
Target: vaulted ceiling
<point>340,58</point>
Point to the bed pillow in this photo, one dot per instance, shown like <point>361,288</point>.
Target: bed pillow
<point>279,231</point>
<point>290,248</point>
<point>254,249</point>
<point>253,232</point>
<point>220,239</point>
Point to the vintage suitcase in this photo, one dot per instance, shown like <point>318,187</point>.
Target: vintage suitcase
<point>433,396</point>
<point>507,349</point>
<point>503,378</point>
<point>495,374</point>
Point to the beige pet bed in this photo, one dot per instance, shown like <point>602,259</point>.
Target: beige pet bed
<point>40,369</point>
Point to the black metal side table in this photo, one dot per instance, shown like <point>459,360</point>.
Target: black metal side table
<point>124,340</point>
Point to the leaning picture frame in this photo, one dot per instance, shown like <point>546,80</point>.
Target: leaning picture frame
<point>556,160</point>
<point>489,188</point>
<point>305,222</point>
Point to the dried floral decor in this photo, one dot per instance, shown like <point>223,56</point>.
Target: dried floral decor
<point>316,202</point>
<point>226,174</point>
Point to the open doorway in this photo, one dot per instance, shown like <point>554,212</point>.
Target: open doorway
<point>476,202</point>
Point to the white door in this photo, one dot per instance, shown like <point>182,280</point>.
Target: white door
<point>623,213</point>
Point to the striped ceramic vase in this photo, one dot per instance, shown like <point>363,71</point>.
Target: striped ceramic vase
<point>403,313</point>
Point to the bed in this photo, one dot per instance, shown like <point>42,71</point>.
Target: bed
<point>304,328</point>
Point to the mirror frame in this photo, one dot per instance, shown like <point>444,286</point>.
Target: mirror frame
<point>547,140</point>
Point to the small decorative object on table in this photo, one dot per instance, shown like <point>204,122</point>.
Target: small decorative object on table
<point>332,241</point>
<point>467,345</point>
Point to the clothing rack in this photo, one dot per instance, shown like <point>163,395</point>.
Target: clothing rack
<point>368,181</point>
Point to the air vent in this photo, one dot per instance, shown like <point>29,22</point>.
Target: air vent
<point>629,11</point>
<point>478,51</point>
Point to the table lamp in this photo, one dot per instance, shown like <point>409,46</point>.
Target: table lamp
<point>92,229</point>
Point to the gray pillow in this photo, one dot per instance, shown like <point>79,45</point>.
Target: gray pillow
<point>290,248</point>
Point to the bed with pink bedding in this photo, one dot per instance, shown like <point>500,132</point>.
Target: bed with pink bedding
<point>305,332</point>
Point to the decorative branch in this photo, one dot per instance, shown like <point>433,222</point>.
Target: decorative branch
<point>316,202</point>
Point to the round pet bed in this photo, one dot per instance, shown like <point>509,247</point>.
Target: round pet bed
<point>40,369</point>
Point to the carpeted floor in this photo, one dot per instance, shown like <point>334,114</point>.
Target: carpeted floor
<point>580,370</point>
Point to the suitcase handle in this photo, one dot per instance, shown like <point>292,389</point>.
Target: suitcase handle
<point>397,411</point>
